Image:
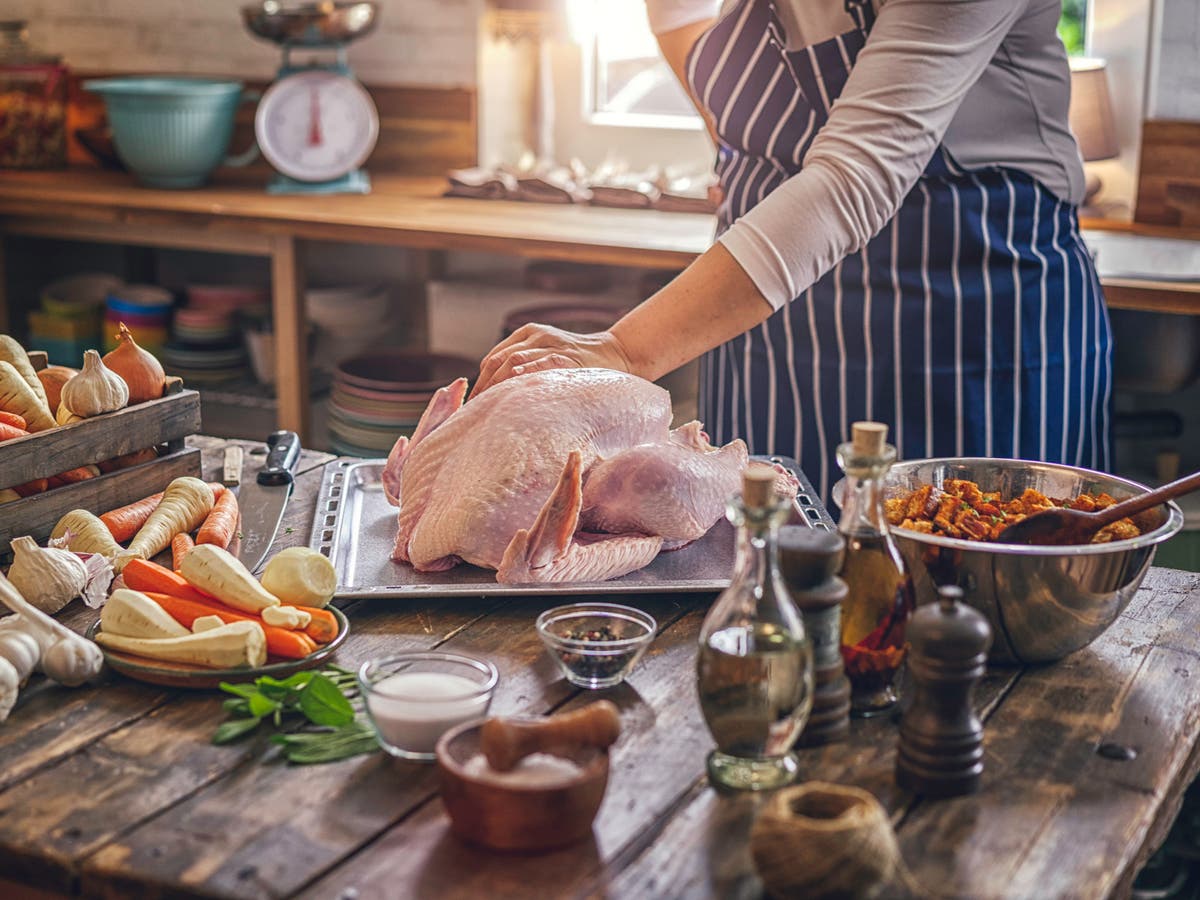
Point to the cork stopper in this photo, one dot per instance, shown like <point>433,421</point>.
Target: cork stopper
<point>868,438</point>
<point>758,485</point>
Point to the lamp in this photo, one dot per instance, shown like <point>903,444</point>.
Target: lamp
<point>1091,116</point>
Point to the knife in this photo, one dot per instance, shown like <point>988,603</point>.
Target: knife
<point>263,500</point>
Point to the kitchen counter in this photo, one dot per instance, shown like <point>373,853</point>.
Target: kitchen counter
<point>235,215</point>
<point>115,790</point>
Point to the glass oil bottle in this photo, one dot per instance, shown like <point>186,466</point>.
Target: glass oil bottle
<point>880,598</point>
<point>754,667</point>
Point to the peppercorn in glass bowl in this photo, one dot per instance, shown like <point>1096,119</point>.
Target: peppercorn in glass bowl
<point>596,644</point>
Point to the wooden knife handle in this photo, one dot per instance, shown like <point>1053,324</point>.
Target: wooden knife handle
<point>231,473</point>
<point>505,742</point>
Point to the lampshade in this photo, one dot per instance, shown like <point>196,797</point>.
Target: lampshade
<point>1091,112</point>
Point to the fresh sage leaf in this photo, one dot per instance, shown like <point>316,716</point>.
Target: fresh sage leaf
<point>239,690</point>
<point>230,731</point>
<point>324,704</point>
<point>236,707</point>
<point>262,705</point>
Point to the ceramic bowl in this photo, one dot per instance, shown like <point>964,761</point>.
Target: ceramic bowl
<point>485,810</point>
<point>170,132</point>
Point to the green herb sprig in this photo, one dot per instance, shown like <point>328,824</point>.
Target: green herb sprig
<point>313,714</point>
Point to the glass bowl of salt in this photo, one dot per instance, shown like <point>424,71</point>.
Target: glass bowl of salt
<point>413,698</point>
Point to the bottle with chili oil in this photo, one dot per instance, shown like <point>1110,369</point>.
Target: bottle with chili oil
<point>880,597</point>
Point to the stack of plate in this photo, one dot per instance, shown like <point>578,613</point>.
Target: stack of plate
<point>146,311</point>
<point>377,398</point>
<point>207,344</point>
<point>208,363</point>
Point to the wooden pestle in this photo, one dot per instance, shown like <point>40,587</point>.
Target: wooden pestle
<point>505,742</point>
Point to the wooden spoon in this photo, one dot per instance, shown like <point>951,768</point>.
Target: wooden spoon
<point>505,742</point>
<point>1059,527</point>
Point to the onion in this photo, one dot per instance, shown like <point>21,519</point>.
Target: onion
<point>53,378</point>
<point>139,368</point>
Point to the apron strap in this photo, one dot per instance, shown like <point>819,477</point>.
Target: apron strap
<point>863,13</point>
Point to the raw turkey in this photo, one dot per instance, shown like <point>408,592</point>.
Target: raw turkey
<point>562,475</point>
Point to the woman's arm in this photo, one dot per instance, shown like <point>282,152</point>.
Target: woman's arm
<point>919,61</point>
<point>712,301</point>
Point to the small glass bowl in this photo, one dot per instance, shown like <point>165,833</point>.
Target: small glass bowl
<point>413,698</point>
<point>596,644</point>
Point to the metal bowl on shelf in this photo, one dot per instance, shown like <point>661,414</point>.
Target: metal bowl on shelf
<point>311,24</point>
<point>1042,602</point>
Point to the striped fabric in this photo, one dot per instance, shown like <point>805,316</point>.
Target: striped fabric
<point>973,324</point>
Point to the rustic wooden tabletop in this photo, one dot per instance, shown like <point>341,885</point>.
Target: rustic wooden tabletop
<point>115,790</point>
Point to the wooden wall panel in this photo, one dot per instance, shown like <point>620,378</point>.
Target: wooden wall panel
<point>1169,175</point>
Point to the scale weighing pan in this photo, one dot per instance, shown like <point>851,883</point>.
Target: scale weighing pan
<point>311,24</point>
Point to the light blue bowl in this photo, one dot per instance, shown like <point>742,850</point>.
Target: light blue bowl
<point>170,132</point>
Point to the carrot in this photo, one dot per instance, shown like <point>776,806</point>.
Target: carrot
<point>71,476</point>
<point>128,459</point>
<point>221,523</point>
<point>180,545</point>
<point>323,627</point>
<point>11,418</point>
<point>29,488</point>
<point>280,641</point>
<point>126,521</point>
<point>149,577</point>
<point>9,431</point>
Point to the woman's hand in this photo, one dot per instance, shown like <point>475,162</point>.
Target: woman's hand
<point>533,348</point>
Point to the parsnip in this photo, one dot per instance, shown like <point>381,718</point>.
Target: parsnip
<point>184,505</point>
<point>301,576</point>
<point>206,623</point>
<point>220,574</point>
<point>286,617</point>
<point>17,396</point>
<point>89,535</point>
<point>14,354</point>
<point>133,614</point>
<point>236,644</point>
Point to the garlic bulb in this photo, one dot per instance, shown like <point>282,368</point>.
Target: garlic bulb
<point>20,649</point>
<point>49,579</point>
<point>139,368</point>
<point>95,390</point>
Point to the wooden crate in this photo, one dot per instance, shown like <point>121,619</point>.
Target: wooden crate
<point>162,423</point>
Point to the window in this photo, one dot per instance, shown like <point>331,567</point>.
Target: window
<point>1072,26</point>
<point>626,81</point>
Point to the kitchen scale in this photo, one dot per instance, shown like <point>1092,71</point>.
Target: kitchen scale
<point>316,124</point>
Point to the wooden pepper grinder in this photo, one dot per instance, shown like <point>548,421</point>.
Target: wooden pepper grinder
<point>941,738</point>
<point>809,559</point>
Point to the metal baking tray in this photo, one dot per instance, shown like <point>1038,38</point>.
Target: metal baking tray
<point>355,527</point>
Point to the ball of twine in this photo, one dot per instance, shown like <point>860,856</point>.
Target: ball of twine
<point>824,840</point>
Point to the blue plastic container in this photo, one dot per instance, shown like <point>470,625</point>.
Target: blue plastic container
<point>172,132</point>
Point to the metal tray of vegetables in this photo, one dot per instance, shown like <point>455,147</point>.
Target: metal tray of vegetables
<point>355,526</point>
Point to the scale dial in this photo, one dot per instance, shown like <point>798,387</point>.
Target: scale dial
<point>316,125</point>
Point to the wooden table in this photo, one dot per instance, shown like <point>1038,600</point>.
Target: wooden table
<point>115,791</point>
<point>234,215</point>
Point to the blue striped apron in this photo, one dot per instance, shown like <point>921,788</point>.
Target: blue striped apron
<point>973,323</point>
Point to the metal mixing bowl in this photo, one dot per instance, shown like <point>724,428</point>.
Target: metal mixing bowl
<point>1042,602</point>
<point>310,24</point>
